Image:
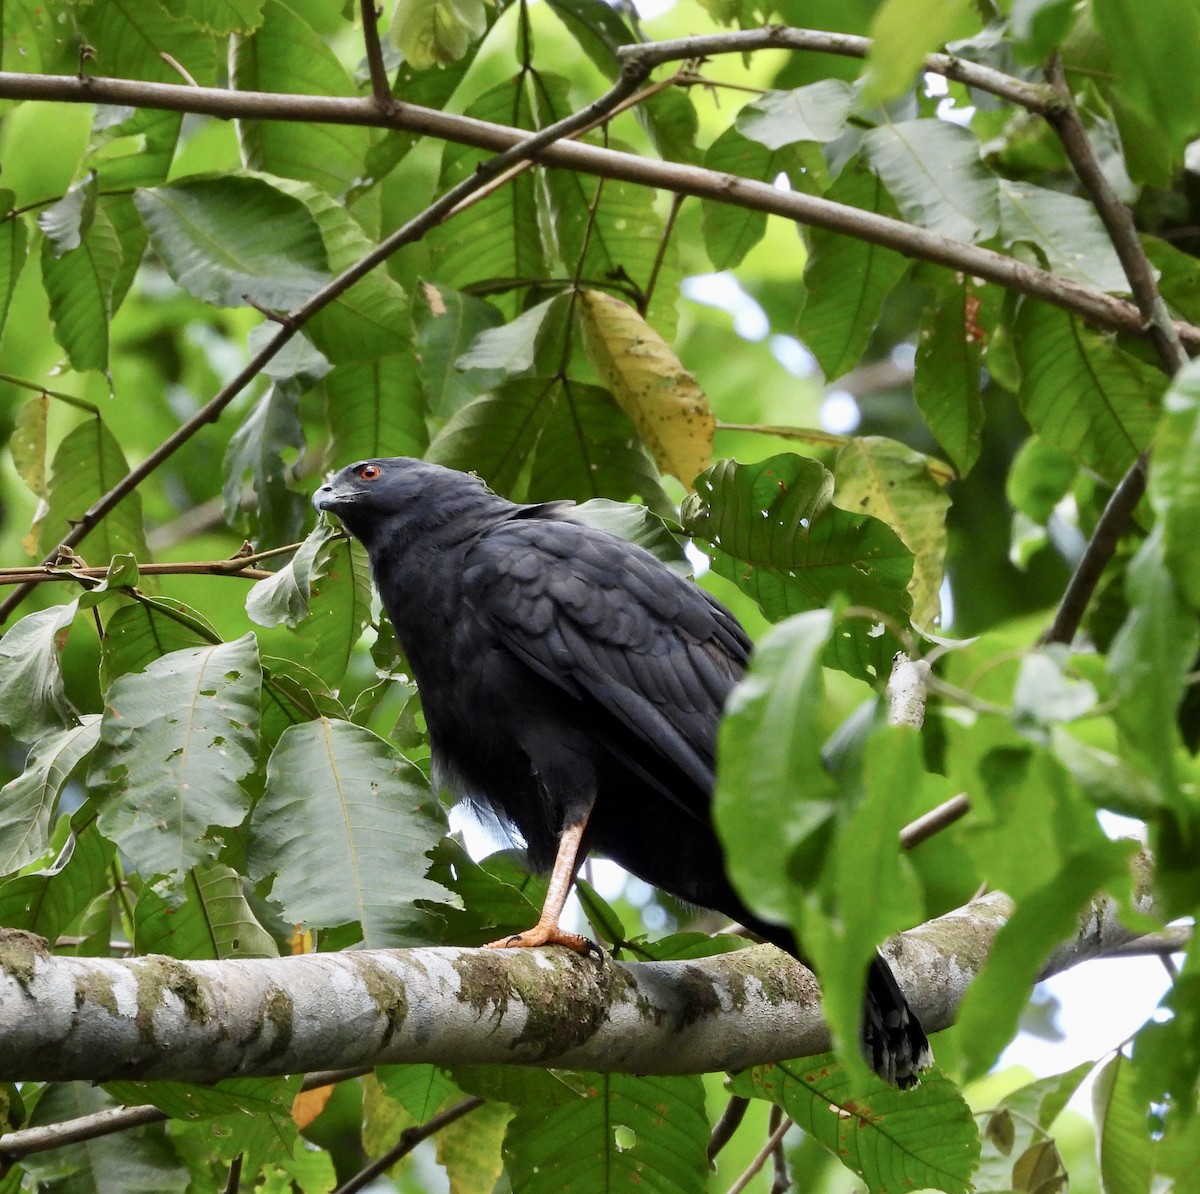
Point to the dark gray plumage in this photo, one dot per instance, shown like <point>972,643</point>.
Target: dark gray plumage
<point>573,684</point>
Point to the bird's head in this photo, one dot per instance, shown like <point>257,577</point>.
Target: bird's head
<point>399,497</point>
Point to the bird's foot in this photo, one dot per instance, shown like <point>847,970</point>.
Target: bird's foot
<point>546,934</point>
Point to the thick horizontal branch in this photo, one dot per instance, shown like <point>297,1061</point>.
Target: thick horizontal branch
<point>98,1019</point>
<point>1102,309</point>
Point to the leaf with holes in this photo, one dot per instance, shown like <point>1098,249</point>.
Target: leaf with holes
<point>175,742</point>
<point>774,532</point>
<point>626,1133</point>
<point>345,825</point>
<point>918,1139</point>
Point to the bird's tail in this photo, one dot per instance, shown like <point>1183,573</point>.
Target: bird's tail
<point>893,1041</point>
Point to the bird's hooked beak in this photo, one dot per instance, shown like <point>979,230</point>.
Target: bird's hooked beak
<point>328,497</point>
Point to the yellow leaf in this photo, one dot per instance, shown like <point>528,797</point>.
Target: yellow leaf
<point>661,398</point>
<point>896,484</point>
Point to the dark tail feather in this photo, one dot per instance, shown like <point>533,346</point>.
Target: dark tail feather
<point>893,1041</point>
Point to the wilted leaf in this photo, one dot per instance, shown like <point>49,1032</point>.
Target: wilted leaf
<point>29,803</point>
<point>33,698</point>
<point>893,483</point>
<point>429,32</point>
<point>662,399</point>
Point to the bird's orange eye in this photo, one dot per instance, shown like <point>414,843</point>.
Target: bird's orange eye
<point>369,472</point>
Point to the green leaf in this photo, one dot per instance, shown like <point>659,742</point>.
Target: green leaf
<point>87,464</point>
<point>146,42</point>
<point>283,598</point>
<point>893,483</point>
<point>29,803</point>
<point>535,424</point>
<point>497,897</point>
<point>846,279</point>
<point>902,33</point>
<point>923,1138</point>
<point>448,323</point>
<point>79,284</point>
<point>218,16</point>
<point>948,366</point>
<point>774,532</point>
<point>246,1117</point>
<point>638,525</point>
<point>14,248</point>
<point>933,172</point>
<point>1155,59</point>
<point>872,890</point>
<point>256,450</point>
<point>344,825</point>
<point>372,318</point>
<point>773,792</point>
<point>138,1161</point>
<point>339,610</point>
<point>231,241</point>
<point>1082,393</point>
<point>33,698</point>
<point>989,1015</point>
<point>618,1137</point>
<point>28,443</point>
<point>1149,661</point>
<point>47,902</point>
<point>175,742</point>
<point>1039,478</point>
<point>508,349</point>
<point>1175,480</point>
<point>284,54</point>
<point>1123,1141</point>
<point>376,408</point>
<point>498,237</point>
<point>1067,232</point>
<point>469,1149</point>
<point>420,1089</point>
<point>731,232</point>
<point>214,920</point>
<point>141,631</point>
<point>437,32</point>
<point>815,112</point>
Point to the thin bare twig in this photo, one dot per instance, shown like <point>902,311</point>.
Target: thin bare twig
<point>724,1128</point>
<point>925,826</point>
<point>380,88</point>
<point>26,1141</point>
<point>409,1139</point>
<point>1100,549</point>
<point>760,1158</point>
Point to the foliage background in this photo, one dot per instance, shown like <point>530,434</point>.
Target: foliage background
<point>992,432</point>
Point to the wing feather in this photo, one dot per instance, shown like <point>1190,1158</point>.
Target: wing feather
<point>608,624</point>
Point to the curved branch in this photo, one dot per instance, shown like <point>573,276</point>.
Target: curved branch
<point>1102,309</point>
<point>98,1019</point>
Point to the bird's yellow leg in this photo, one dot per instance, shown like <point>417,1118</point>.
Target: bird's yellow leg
<point>546,931</point>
